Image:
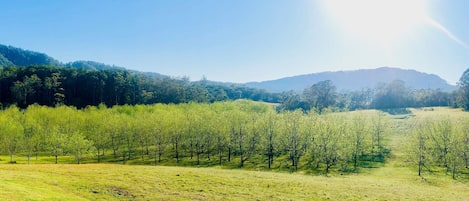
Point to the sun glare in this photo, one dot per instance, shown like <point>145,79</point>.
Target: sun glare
<point>378,21</point>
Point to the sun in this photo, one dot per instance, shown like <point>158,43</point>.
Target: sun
<point>378,21</point>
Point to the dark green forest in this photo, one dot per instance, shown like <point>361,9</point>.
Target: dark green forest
<point>79,87</point>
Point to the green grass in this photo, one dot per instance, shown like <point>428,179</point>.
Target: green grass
<point>124,182</point>
<point>393,180</point>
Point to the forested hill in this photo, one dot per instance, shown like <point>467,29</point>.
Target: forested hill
<point>12,56</point>
<point>28,77</point>
<point>93,65</point>
<point>357,80</point>
<point>52,85</point>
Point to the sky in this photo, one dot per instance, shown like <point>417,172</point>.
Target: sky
<point>245,40</point>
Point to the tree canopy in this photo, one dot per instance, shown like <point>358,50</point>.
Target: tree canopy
<point>50,85</point>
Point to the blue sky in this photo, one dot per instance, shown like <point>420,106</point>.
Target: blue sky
<point>245,40</point>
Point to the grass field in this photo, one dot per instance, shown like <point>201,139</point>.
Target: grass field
<point>122,182</point>
<point>394,181</point>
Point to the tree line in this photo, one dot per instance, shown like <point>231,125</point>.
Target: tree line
<point>384,96</point>
<point>396,94</point>
<point>241,133</point>
<point>79,87</point>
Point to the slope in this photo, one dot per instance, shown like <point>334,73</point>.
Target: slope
<point>10,55</point>
<point>357,80</point>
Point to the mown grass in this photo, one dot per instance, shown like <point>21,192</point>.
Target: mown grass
<point>393,180</point>
<point>124,182</point>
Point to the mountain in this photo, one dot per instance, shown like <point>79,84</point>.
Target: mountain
<point>343,80</point>
<point>357,80</point>
<point>13,56</point>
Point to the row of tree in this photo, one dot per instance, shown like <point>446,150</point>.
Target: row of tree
<point>441,143</point>
<point>80,87</point>
<point>396,94</point>
<point>49,85</point>
<point>240,132</point>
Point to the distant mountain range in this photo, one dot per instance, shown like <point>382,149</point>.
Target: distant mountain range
<point>357,80</point>
<point>343,80</point>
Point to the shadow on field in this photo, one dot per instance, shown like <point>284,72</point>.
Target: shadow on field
<point>397,111</point>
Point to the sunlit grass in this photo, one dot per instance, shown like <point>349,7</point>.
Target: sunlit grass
<point>108,181</point>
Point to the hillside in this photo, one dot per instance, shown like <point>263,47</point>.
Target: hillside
<point>343,80</point>
<point>92,65</point>
<point>357,80</point>
<point>12,56</point>
<point>44,80</point>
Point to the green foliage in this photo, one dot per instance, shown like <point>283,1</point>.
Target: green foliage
<point>231,134</point>
<point>78,146</point>
<point>321,95</point>
<point>12,56</point>
<point>390,96</point>
<point>463,95</point>
<point>80,87</point>
<point>11,131</point>
<point>440,143</point>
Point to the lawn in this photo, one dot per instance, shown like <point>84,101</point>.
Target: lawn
<point>124,182</point>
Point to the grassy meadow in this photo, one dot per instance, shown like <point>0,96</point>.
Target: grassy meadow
<point>395,180</point>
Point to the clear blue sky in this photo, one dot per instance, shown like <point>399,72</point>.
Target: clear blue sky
<point>245,40</point>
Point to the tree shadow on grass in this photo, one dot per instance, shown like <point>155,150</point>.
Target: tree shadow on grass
<point>396,111</point>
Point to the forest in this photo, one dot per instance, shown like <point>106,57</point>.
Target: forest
<point>81,86</point>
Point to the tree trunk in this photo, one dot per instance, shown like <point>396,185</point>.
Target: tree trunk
<point>129,148</point>
<point>114,147</point>
<point>147,148</point>
<point>229,154</point>
<point>191,149</point>
<point>123,157</point>
<point>208,149</point>
<point>220,156</point>
<point>177,152</point>
<point>160,151</point>
<point>99,155</point>
<point>270,154</point>
<point>454,169</point>
<point>241,160</point>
